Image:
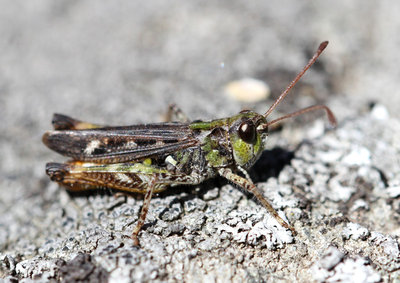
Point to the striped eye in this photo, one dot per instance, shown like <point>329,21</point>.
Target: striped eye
<point>247,131</point>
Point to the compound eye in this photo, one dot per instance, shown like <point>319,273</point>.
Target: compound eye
<point>247,131</point>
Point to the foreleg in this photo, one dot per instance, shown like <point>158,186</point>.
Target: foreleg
<point>249,186</point>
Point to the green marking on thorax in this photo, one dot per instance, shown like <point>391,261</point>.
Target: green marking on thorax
<point>216,159</point>
<point>209,125</point>
<point>213,155</point>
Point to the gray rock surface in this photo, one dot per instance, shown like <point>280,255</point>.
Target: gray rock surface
<point>124,62</point>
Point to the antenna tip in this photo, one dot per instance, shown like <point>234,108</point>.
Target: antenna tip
<point>323,45</point>
<point>331,117</point>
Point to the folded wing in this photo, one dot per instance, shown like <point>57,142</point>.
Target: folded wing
<point>121,144</point>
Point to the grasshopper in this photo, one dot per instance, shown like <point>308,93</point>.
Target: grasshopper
<point>148,158</point>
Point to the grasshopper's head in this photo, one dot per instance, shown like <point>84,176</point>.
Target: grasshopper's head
<point>248,130</point>
<point>248,133</point>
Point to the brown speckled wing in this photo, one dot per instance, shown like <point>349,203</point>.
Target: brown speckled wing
<point>121,144</point>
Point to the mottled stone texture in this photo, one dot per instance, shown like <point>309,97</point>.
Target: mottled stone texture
<point>123,62</point>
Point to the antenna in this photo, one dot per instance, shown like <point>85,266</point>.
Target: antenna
<point>331,117</point>
<point>321,48</point>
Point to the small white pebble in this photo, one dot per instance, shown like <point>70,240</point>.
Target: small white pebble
<point>248,90</point>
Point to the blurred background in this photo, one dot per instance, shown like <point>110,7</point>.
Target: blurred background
<point>123,62</point>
